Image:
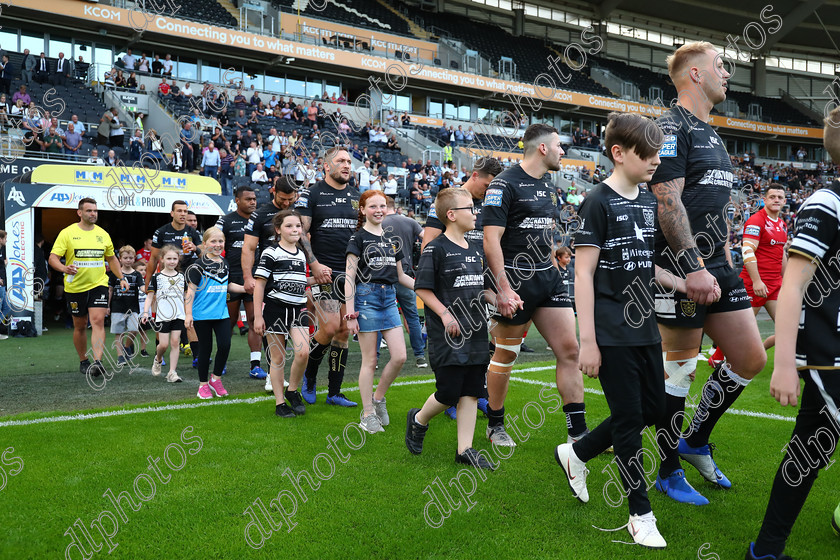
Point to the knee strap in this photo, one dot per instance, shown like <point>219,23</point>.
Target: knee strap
<point>511,345</point>
<point>679,373</point>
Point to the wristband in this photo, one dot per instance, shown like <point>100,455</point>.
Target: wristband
<point>351,316</point>
<point>689,260</point>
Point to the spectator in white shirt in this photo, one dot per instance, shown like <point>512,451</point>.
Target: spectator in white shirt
<point>363,177</point>
<point>259,175</point>
<point>94,158</point>
<point>167,65</point>
<point>390,186</point>
<point>253,154</point>
<point>129,60</point>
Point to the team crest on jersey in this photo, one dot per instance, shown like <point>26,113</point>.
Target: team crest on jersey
<point>74,306</point>
<point>354,204</point>
<point>99,239</point>
<point>648,214</point>
<point>688,307</point>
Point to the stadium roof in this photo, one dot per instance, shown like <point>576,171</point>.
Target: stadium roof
<point>807,26</point>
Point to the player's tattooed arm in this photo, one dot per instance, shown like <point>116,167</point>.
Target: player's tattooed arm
<point>673,218</point>
<point>306,223</point>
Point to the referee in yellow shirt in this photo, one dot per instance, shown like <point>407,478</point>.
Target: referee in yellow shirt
<point>85,247</point>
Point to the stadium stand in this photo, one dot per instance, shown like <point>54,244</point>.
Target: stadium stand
<point>205,11</point>
<point>368,15</point>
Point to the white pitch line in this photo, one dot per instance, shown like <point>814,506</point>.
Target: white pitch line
<point>252,400</point>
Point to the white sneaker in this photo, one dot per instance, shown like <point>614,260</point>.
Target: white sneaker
<point>172,377</point>
<point>156,367</point>
<point>575,469</point>
<point>381,411</point>
<point>644,532</point>
<point>268,387</point>
<point>499,436</point>
<point>371,424</point>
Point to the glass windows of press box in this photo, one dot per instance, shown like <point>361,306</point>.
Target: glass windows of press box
<point>396,102</point>
<point>60,45</point>
<point>9,39</point>
<point>275,83</point>
<point>103,58</point>
<point>333,88</point>
<point>32,41</point>
<point>185,70</point>
<point>295,87</point>
<point>210,73</point>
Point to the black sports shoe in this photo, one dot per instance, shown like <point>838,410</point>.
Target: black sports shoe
<point>751,555</point>
<point>525,348</point>
<point>83,366</point>
<point>295,402</point>
<point>474,458</point>
<point>243,330</point>
<point>283,410</point>
<point>414,433</point>
<point>144,353</point>
<point>97,369</point>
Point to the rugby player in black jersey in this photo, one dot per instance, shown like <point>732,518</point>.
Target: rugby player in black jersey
<point>693,184</point>
<point>176,233</point>
<point>519,208</point>
<point>329,210</point>
<point>233,226</point>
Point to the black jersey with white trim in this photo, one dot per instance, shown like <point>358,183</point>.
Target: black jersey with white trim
<point>817,237</point>
<point>261,225</point>
<point>527,208</point>
<point>334,213</point>
<point>623,230</point>
<point>456,276</point>
<point>378,257</point>
<point>694,151</point>
<point>233,226</point>
<point>476,235</point>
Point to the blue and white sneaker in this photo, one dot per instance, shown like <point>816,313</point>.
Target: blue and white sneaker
<point>482,405</point>
<point>452,412</point>
<point>701,459</point>
<point>341,400</point>
<point>677,488</point>
<point>258,373</point>
<point>751,555</point>
<point>308,394</point>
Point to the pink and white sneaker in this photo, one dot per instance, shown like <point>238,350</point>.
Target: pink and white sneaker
<point>218,388</point>
<point>204,392</point>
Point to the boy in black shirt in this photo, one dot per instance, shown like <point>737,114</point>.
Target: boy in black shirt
<point>124,305</point>
<point>807,348</point>
<point>450,281</point>
<point>614,251</point>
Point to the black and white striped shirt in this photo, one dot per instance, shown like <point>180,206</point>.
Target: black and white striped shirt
<point>817,238</point>
<point>285,274</point>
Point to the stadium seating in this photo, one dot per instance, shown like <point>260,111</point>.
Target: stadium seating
<point>205,11</point>
<point>368,14</point>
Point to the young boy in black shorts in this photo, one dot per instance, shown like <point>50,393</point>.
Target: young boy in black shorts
<point>450,281</point>
<point>614,251</point>
<point>807,349</point>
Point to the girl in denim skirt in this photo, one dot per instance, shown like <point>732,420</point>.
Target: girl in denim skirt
<point>373,270</point>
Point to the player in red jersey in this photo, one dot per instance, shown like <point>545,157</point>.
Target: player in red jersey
<point>763,247</point>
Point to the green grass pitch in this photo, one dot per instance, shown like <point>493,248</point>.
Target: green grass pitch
<point>207,478</point>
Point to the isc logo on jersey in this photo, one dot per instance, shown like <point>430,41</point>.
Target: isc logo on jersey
<point>493,197</point>
<point>669,146</point>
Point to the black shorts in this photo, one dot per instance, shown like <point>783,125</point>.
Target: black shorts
<point>678,311</point>
<point>79,303</point>
<point>279,319</point>
<point>237,278</point>
<point>542,288</point>
<point>333,291</point>
<point>166,327</point>
<point>453,382</point>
